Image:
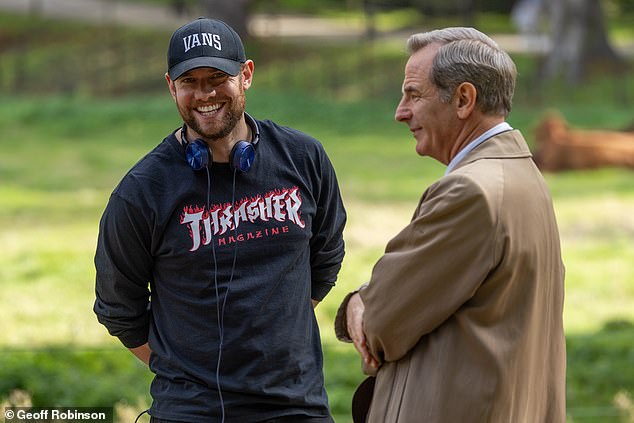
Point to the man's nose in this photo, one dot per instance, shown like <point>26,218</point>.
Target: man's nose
<point>402,113</point>
<point>207,89</point>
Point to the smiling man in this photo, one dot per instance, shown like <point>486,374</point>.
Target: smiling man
<point>461,320</point>
<point>232,227</point>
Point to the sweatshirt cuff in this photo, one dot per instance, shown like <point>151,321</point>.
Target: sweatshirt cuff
<point>133,339</point>
<point>319,291</point>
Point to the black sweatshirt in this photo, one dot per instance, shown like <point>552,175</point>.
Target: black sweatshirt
<point>171,234</point>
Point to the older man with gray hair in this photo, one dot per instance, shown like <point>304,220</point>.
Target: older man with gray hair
<point>461,320</point>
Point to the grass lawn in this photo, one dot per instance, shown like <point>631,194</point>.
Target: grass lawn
<point>61,157</point>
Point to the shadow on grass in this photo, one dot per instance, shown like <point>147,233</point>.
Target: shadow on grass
<point>600,376</point>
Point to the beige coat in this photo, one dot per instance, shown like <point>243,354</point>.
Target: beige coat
<point>465,307</point>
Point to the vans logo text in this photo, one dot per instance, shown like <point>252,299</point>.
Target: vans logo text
<point>203,39</point>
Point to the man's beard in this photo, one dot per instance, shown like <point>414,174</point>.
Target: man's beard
<point>233,113</point>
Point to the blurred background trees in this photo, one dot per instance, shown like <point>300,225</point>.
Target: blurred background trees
<point>571,39</point>
<point>578,37</point>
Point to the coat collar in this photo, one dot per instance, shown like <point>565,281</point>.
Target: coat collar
<point>506,145</point>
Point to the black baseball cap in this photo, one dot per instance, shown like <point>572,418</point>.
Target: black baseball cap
<point>204,43</point>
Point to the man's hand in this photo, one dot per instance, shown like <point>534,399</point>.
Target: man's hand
<point>142,353</point>
<point>354,323</point>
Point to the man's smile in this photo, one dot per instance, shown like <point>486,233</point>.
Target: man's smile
<point>210,109</point>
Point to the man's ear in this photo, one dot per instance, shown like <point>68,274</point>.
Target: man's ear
<point>465,99</point>
<point>171,86</point>
<point>247,74</point>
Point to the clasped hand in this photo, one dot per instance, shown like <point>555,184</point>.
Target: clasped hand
<point>354,324</point>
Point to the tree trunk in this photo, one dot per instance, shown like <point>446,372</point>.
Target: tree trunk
<point>233,12</point>
<point>578,40</point>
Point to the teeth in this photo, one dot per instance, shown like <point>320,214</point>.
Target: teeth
<point>208,109</point>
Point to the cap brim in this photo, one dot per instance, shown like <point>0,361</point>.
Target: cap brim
<point>228,66</point>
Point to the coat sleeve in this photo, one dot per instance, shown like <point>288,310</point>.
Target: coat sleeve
<point>431,268</point>
<point>123,263</point>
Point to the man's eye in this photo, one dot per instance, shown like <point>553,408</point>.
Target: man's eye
<point>218,78</point>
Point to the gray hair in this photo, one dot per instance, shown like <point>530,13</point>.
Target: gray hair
<point>468,55</point>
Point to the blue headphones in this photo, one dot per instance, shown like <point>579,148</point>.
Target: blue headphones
<point>241,157</point>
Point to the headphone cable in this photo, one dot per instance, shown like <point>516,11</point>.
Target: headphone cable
<point>220,311</point>
<point>218,317</point>
<point>235,246</point>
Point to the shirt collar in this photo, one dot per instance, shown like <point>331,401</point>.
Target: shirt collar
<point>497,129</point>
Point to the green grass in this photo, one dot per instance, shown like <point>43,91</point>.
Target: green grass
<point>61,155</point>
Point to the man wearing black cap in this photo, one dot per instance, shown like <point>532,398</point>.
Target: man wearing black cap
<point>233,228</point>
